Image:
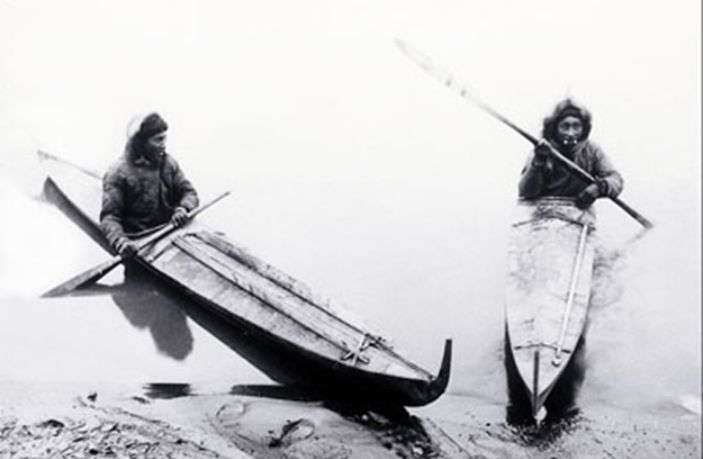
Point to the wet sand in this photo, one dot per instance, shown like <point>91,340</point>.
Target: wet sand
<point>477,428</point>
<point>83,420</point>
<point>38,420</point>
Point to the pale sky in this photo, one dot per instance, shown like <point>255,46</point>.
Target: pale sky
<point>269,77</point>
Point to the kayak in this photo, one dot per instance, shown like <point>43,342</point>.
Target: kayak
<point>308,341</point>
<point>548,286</point>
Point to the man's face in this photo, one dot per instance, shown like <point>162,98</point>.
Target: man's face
<point>156,144</point>
<point>569,131</point>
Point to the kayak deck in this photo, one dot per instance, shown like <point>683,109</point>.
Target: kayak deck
<point>550,264</point>
<point>324,345</point>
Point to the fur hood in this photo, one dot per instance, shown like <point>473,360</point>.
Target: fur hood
<point>141,128</point>
<point>564,108</point>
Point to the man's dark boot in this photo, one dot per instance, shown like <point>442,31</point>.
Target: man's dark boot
<point>561,404</point>
<point>519,410</point>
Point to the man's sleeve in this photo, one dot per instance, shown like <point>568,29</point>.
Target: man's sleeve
<point>112,208</point>
<point>188,196</point>
<point>531,182</point>
<point>604,169</point>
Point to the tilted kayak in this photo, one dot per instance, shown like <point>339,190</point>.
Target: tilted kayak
<point>310,341</point>
<point>550,266</point>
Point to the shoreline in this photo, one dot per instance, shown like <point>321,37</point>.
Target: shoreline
<point>76,420</point>
<point>84,420</point>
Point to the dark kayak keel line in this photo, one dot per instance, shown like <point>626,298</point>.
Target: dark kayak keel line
<point>535,387</point>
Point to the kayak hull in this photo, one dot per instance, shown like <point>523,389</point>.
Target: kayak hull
<point>550,266</point>
<point>276,322</point>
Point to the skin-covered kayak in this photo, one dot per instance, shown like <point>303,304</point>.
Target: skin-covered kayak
<point>308,341</point>
<point>550,266</point>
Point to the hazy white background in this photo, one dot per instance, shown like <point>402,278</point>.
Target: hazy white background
<point>359,174</point>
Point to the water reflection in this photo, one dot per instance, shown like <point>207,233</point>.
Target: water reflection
<point>288,392</point>
<point>167,390</point>
<point>144,306</point>
<point>148,302</point>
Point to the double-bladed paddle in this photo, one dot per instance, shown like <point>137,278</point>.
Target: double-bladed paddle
<point>102,269</point>
<point>448,79</point>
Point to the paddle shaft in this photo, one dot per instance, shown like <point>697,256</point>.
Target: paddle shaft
<point>556,361</point>
<point>449,81</point>
<point>44,155</point>
<point>101,270</point>
<point>165,231</point>
<point>171,226</point>
<point>570,165</point>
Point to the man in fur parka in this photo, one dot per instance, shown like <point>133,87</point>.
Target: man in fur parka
<point>567,130</point>
<point>145,187</point>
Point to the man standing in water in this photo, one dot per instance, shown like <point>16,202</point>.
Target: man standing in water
<point>566,130</point>
<point>145,187</point>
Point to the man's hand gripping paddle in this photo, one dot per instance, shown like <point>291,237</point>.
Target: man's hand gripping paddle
<point>448,80</point>
<point>93,274</point>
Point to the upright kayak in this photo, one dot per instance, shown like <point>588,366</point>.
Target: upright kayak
<point>550,267</point>
<point>308,340</point>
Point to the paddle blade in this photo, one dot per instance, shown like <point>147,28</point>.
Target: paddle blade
<point>84,278</point>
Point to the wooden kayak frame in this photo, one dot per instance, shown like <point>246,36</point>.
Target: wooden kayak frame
<point>374,387</point>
